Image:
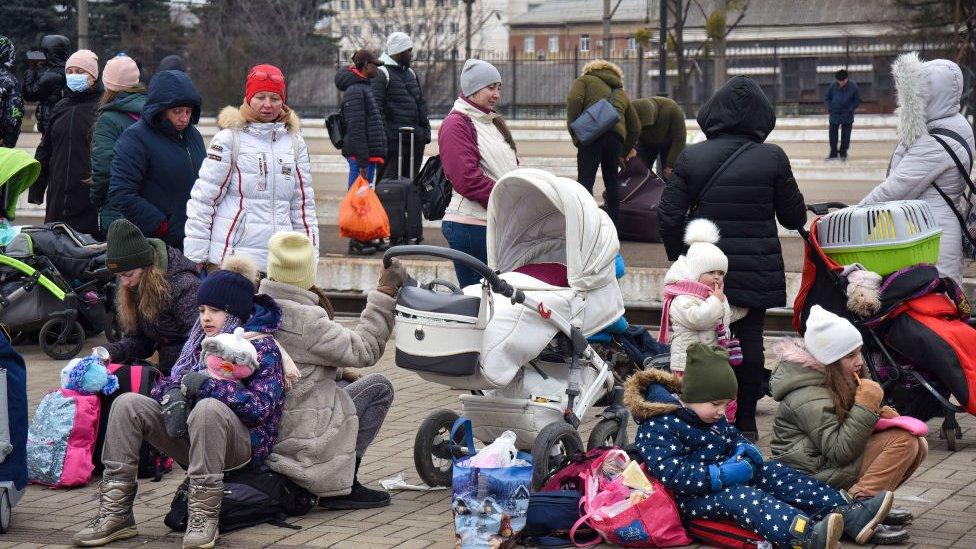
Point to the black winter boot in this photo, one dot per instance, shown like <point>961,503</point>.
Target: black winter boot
<point>888,535</point>
<point>861,518</point>
<point>898,516</point>
<point>824,534</point>
<point>360,497</point>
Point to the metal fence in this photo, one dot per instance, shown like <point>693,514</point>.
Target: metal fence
<point>794,76</point>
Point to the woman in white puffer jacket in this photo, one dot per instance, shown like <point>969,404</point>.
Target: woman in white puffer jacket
<point>928,99</point>
<point>247,192</point>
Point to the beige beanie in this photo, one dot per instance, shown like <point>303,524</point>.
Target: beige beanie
<point>829,337</point>
<point>292,259</point>
<point>120,72</point>
<point>85,60</point>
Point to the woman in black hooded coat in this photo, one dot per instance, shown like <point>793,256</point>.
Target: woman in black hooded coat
<point>754,190</point>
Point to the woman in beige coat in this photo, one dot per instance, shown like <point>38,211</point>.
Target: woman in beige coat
<point>327,427</point>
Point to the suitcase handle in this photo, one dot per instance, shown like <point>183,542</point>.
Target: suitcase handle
<point>400,132</point>
<point>497,285</point>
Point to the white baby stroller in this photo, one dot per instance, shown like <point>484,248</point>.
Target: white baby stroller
<point>525,358</point>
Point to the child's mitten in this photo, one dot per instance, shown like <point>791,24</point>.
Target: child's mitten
<point>730,473</point>
<point>746,450</point>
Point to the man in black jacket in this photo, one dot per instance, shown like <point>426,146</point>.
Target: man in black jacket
<point>44,79</point>
<point>400,99</point>
<point>754,190</point>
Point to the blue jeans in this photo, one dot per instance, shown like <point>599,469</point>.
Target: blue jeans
<point>354,171</point>
<point>470,239</point>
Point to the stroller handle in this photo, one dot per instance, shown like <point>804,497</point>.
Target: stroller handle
<point>494,281</point>
<point>822,208</point>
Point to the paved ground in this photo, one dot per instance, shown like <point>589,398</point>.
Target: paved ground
<point>942,495</point>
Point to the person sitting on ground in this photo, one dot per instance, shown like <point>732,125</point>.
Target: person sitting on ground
<point>716,473</point>
<point>320,447</point>
<point>825,424</point>
<point>229,425</point>
<point>695,308</point>
<point>270,180</point>
<point>157,296</point>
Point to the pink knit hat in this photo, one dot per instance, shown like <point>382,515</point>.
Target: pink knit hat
<point>120,73</point>
<point>85,60</point>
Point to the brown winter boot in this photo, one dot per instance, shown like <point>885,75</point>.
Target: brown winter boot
<point>114,520</point>
<point>203,501</point>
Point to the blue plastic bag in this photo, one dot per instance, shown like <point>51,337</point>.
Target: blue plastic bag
<point>489,503</point>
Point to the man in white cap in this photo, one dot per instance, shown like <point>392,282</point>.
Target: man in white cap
<point>400,98</point>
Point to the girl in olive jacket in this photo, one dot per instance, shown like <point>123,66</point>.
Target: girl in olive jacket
<point>827,418</point>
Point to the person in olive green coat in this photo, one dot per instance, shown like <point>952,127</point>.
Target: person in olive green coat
<point>600,80</point>
<point>121,106</point>
<point>826,420</point>
<point>662,135</point>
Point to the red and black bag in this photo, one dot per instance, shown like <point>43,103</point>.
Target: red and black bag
<point>137,377</point>
<point>721,533</point>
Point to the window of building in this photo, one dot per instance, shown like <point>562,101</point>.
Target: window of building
<point>584,44</point>
<point>455,28</point>
<point>407,28</point>
<point>439,28</point>
<point>357,30</point>
<point>529,44</point>
<point>632,44</point>
<point>454,2</point>
<point>422,28</point>
<point>553,44</point>
<point>388,29</point>
<point>421,3</point>
<point>360,4</point>
<point>408,3</point>
<point>343,4</point>
<point>375,28</point>
<point>377,4</point>
<point>439,3</point>
<point>391,3</point>
<point>344,30</point>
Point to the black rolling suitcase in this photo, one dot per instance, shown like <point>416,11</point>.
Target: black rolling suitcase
<point>401,199</point>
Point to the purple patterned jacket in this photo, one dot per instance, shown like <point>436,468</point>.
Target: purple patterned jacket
<point>260,399</point>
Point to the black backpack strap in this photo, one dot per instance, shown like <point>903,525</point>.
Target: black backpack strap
<point>951,134</point>
<point>962,170</point>
<point>711,181</point>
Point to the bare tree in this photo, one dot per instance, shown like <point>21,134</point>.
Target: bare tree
<point>234,35</point>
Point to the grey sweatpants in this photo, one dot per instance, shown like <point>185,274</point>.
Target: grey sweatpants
<point>373,396</point>
<point>217,438</point>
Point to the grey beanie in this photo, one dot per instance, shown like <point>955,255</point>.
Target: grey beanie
<point>478,74</point>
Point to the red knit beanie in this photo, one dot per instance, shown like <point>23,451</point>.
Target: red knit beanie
<point>264,78</point>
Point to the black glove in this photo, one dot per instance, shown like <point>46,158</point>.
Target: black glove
<point>175,413</point>
<point>191,383</point>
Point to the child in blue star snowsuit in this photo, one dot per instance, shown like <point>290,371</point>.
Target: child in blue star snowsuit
<point>716,473</point>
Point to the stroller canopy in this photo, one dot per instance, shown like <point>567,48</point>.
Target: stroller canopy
<point>537,217</point>
<point>18,170</point>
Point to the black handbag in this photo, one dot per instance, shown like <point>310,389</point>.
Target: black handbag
<point>435,189</point>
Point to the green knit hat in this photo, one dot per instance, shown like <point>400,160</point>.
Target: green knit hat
<point>127,247</point>
<point>708,375</point>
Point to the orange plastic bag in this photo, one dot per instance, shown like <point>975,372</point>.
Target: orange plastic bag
<point>361,214</point>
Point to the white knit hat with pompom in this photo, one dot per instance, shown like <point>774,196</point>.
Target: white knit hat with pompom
<point>703,255</point>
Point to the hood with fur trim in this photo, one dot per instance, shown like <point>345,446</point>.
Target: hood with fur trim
<point>610,73</point>
<point>927,91</point>
<point>796,368</point>
<point>651,393</point>
<point>231,117</point>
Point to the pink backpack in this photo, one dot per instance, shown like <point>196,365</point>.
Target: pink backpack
<point>650,522</point>
<point>61,439</point>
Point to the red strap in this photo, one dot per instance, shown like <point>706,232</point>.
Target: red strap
<point>135,378</point>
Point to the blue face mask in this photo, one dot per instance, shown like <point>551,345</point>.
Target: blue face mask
<point>77,82</point>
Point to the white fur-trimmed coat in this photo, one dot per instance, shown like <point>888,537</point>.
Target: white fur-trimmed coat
<point>928,98</point>
<point>235,210</point>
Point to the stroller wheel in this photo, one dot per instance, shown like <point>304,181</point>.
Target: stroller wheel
<point>113,332</point>
<point>555,441</point>
<point>61,340</point>
<point>4,511</point>
<point>432,448</point>
<point>949,434</point>
<point>604,433</point>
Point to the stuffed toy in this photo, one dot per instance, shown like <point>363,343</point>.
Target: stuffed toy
<point>229,356</point>
<point>89,376</point>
